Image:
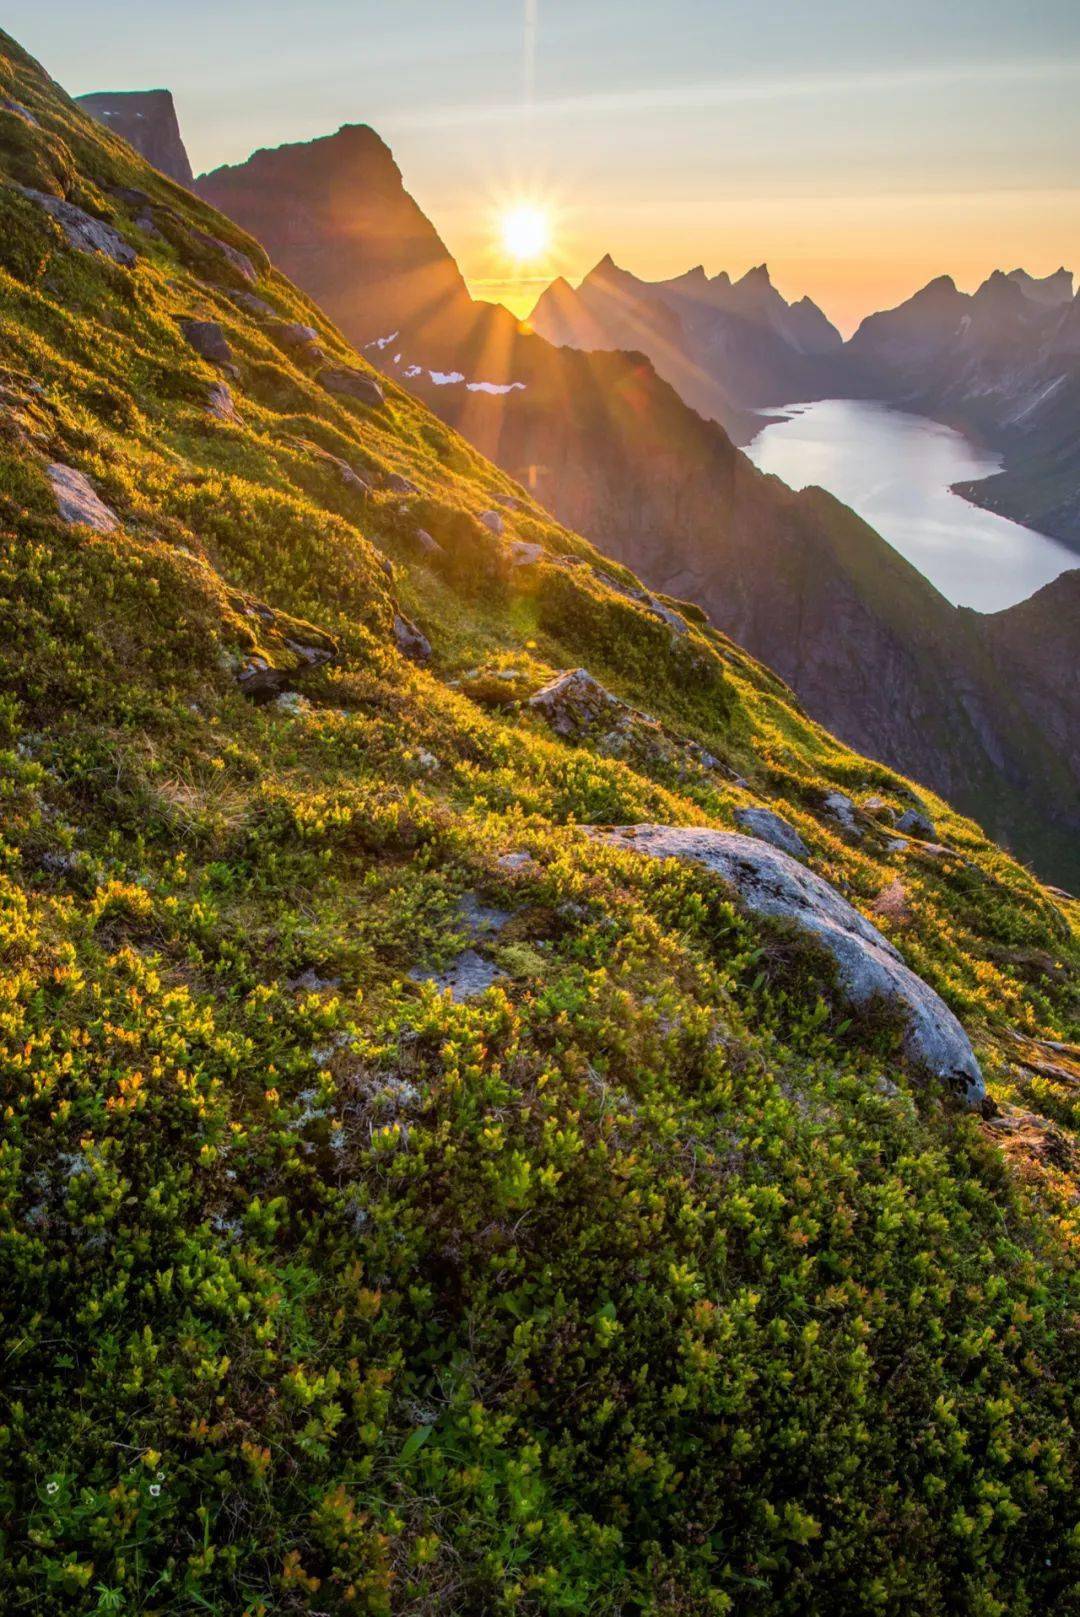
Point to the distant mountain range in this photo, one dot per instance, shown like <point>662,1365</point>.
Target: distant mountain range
<point>727,346</point>
<point>1002,363</point>
<point>607,441</point>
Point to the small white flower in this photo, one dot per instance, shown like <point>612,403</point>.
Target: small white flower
<point>161,1476</point>
<point>52,1487</point>
<point>155,1489</point>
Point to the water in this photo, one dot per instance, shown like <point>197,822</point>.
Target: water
<point>895,470</point>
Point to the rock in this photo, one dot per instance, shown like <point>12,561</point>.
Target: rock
<point>429,546</point>
<point>466,976</point>
<point>255,305</point>
<point>493,521</point>
<point>234,258</point>
<point>313,656</point>
<point>510,501</point>
<point>914,823</point>
<point>85,233</point>
<point>666,615</point>
<point>770,883</point>
<point>896,845</point>
<point>77,502</point>
<point>516,861</point>
<point>17,110</point>
<point>292,335</point>
<point>208,340</point>
<point>892,902</point>
<point>410,641</point>
<point>523,553</point>
<point>771,828</point>
<point>840,808</point>
<point>219,402</point>
<point>147,120</point>
<point>352,384</point>
<point>399,485</point>
<point>481,920</point>
<point>261,682</point>
<point>574,701</point>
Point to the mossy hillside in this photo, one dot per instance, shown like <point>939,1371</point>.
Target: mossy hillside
<point>632,1284</point>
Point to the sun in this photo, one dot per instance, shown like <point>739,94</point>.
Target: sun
<point>525,230</point>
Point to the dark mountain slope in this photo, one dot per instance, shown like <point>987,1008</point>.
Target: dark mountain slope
<point>613,451</point>
<point>414,1198</point>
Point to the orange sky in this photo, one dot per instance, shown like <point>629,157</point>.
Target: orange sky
<point>851,254</point>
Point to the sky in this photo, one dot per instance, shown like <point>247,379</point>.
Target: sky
<point>859,148</point>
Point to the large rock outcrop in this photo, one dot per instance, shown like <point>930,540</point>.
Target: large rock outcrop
<point>769,882</point>
<point>147,120</point>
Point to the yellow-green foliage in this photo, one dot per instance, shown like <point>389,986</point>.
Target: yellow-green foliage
<point>646,1281</point>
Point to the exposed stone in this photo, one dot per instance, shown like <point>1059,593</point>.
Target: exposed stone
<point>516,861</point>
<point>574,701</point>
<point>917,824</point>
<point>399,485</point>
<point>254,305</point>
<point>260,681</point>
<point>430,546</point>
<point>292,335</point>
<point>352,384</point>
<point>467,975</point>
<point>493,521</point>
<point>85,233</point>
<point>839,807</point>
<point>870,969</point>
<point>233,257</point>
<point>208,340</point>
<point>665,613</point>
<point>524,553</point>
<point>219,402</point>
<point>481,920</point>
<point>770,827</point>
<point>18,111</point>
<point>510,501</point>
<point>410,641</point>
<point>77,502</point>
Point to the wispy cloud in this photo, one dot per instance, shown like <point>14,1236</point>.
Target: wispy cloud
<point>724,92</point>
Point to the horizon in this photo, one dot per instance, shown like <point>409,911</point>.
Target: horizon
<point>853,159</point>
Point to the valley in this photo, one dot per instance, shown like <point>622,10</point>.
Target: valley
<point>898,471</point>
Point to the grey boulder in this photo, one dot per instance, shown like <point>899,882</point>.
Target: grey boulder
<point>769,882</point>
<point>763,823</point>
<point>85,233</point>
<point>917,824</point>
<point>410,640</point>
<point>573,702</point>
<point>208,340</point>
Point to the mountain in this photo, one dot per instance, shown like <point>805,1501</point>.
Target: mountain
<point>726,347</point>
<point>1002,362</point>
<point>615,453</point>
<point>147,119</point>
<point>450,1160</point>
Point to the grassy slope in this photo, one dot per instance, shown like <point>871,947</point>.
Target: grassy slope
<point>630,1285</point>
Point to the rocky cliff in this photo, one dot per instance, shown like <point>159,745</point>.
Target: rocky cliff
<point>147,120</point>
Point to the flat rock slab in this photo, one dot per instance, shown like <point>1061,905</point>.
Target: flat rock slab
<point>769,882</point>
<point>77,501</point>
<point>465,977</point>
<point>85,233</point>
<point>352,384</point>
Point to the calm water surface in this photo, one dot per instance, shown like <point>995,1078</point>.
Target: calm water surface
<point>895,470</point>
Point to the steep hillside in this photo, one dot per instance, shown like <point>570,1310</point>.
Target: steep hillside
<point>416,1195</point>
<point>615,453</point>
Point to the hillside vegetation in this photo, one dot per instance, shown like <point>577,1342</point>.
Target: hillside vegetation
<point>650,1278</point>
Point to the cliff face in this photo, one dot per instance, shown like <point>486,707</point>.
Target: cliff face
<point>147,120</point>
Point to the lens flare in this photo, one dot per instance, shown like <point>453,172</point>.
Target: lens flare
<point>525,230</point>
